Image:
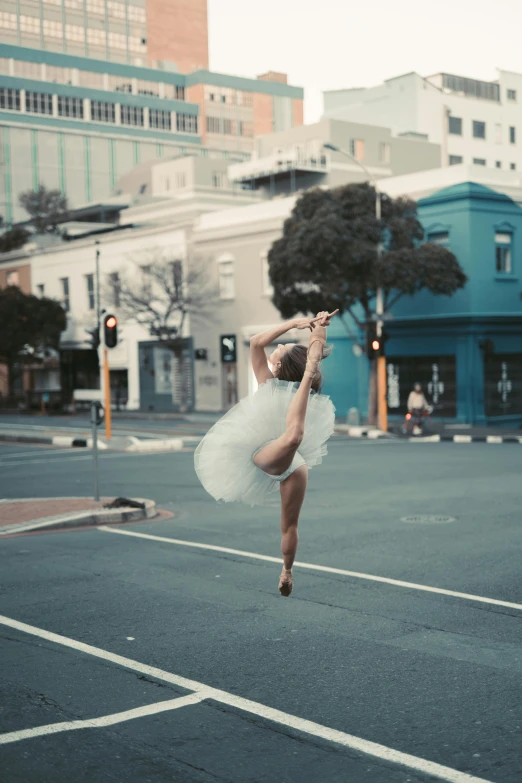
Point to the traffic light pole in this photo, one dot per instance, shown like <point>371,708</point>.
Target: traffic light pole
<point>107,388</point>
<point>94,423</point>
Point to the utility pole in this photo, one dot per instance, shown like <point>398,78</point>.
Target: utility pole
<point>105,383</point>
<point>382,405</point>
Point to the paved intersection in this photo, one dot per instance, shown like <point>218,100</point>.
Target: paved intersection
<point>432,676</point>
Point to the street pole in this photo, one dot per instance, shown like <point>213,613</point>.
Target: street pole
<point>107,386</point>
<point>94,423</point>
<point>382,405</point>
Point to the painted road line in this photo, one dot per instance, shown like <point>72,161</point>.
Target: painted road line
<point>105,720</point>
<point>314,567</point>
<point>255,708</point>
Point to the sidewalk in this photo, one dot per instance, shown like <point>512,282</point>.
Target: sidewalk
<point>25,515</point>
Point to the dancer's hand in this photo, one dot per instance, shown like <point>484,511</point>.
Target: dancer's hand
<point>323,318</point>
<point>305,323</point>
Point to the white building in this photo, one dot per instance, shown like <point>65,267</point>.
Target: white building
<point>475,122</point>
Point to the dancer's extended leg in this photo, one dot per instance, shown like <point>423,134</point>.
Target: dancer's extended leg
<point>293,491</point>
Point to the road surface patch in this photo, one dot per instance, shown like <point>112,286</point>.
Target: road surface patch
<point>287,720</point>
<point>315,567</point>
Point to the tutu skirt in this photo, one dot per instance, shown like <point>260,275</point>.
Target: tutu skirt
<point>224,458</point>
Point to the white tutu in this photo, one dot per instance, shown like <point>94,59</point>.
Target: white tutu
<point>224,458</point>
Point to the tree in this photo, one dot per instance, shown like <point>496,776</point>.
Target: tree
<point>160,293</point>
<point>327,258</point>
<point>12,238</point>
<point>47,208</point>
<point>29,326</point>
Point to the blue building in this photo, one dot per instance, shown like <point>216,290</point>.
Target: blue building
<point>466,350</point>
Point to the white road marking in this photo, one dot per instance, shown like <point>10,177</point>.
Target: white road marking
<point>105,720</point>
<point>255,708</point>
<point>314,567</point>
<point>462,439</point>
<point>46,447</point>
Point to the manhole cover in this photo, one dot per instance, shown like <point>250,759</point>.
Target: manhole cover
<point>426,519</point>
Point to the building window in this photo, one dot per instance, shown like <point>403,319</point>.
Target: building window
<point>89,78</point>
<point>132,115</point>
<point>38,102</point>
<point>136,14</point>
<point>52,29</point>
<point>498,133</point>
<point>454,160</point>
<point>96,37</point>
<point>479,161</point>
<point>160,119</point>
<point>8,21</point>
<point>511,95</point>
<point>384,152</point>
<point>512,135</point>
<point>96,7</point>
<point>479,129</point>
<point>120,84</point>
<point>213,124</point>
<point>27,70</point>
<point>103,112</point>
<point>30,24</point>
<point>227,285</point>
<point>116,10</point>
<point>118,41</point>
<point>70,107</point>
<point>148,88</point>
<point>66,303</point>
<point>513,166</point>
<point>218,179</point>
<point>503,244</point>
<point>40,289</point>
<point>12,278</point>
<point>9,99</point>
<point>54,73</point>
<point>498,164</point>
<point>455,125</point>
<point>357,149</point>
<point>187,123</point>
<point>89,281</point>
<point>181,181</point>
<point>114,280</point>
<point>268,288</point>
<point>439,238</point>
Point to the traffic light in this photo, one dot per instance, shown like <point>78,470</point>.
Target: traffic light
<point>110,331</point>
<point>375,343</point>
<point>95,337</point>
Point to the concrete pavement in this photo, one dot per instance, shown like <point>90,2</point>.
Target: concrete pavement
<point>427,674</point>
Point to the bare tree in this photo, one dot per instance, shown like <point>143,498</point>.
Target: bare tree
<point>161,292</point>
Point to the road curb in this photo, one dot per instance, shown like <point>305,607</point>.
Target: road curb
<point>87,518</point>
<point>57,440</point>
<point>372,433</point>
<point>466,439</point>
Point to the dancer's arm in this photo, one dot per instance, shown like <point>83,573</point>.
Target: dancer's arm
<point>260,341</point>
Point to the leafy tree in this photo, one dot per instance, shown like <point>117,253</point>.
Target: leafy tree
<point>160,292</point>
<point>29,326</point>
<point>328,258</point>
<point>47,208</point>
<point>12,238</point>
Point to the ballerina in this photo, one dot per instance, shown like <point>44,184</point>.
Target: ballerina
<point>270,439</point>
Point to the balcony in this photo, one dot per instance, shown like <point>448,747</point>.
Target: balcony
<point>260,171</point>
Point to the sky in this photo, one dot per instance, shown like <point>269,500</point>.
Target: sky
<point>331,44</point>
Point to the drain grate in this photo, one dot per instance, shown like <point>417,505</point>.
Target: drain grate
<point>426,519</point>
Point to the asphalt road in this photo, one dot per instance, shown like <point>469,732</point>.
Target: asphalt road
<point>432,675</point>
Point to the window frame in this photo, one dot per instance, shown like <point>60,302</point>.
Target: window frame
<point>475,126</point>
<point>504,250</point>
<point>457,120</point>
<point>226,277</point>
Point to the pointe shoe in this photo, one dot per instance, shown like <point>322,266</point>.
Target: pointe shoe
<point>285,582</point>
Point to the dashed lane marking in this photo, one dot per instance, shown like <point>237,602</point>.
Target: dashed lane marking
<point>255,708</point>
<point>314,567</point>
<point>105,720</point>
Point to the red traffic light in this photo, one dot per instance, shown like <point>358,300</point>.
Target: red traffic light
<point>376,345</point>
<point>110,331</point>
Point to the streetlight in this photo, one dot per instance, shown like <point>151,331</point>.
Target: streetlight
<point>382,408</point>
